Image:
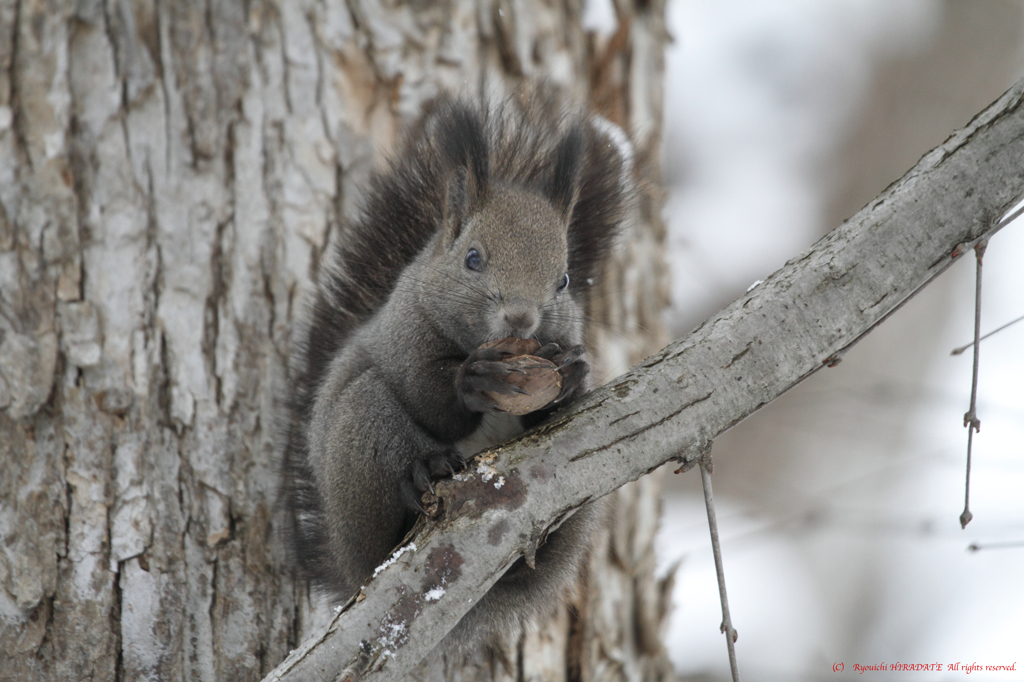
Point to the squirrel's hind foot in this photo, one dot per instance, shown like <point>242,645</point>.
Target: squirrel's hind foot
<point>425,470</point>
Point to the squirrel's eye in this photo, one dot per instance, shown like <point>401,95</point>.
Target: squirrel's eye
<point>474,261</point>
<point>564,284</point>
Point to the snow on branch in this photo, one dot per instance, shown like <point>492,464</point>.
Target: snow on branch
<point>672,405</point>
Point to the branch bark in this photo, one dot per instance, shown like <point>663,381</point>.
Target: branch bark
<point>671,406</point>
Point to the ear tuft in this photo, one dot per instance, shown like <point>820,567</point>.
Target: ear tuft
<point>564,185</point>
<point>457,196</point>
<point>463,141</point>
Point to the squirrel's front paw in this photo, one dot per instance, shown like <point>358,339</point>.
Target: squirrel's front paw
<point>571,363</point>
<point>426,469</point>
<point>483,377</point>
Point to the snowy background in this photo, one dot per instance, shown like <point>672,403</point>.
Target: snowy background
<point>839,503</point>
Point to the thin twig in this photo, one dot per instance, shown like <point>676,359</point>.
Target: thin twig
<point>975,547</point>
<point>971,420</point>
<point>730,632</point>
<point>961,349</point>
<point>1010,218</point>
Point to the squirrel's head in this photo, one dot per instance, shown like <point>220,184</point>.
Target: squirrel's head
<point>499,265</point>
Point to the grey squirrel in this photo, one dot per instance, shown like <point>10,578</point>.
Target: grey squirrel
<point>491,222</point>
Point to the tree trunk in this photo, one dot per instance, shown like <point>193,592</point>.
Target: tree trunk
<point>170,175</point>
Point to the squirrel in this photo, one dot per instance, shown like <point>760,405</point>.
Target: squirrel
<point>492,222</point>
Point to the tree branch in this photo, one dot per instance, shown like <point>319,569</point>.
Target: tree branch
<point>672,405</point>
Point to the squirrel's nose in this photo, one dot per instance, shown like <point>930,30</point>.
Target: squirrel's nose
<point>521,320</point>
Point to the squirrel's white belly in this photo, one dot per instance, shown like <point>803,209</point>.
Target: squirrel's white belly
<point>494,428</point>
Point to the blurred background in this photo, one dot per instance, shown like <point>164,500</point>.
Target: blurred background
<point>838,504</point>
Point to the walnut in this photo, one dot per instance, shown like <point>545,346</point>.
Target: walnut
<point>537,378</point>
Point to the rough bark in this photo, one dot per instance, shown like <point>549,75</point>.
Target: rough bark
<point>672,406</point>
<point>170,175</point>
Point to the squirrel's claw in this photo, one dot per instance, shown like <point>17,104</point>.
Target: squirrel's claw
<point>548,351</point>
<point>424,471</point>
<point>411,496</point>
<point>561,357</point>
<point>488,369</point>
<point>445,463</point>
<point>421,476</point>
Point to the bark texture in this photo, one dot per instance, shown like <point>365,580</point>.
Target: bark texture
<point>170,176</point>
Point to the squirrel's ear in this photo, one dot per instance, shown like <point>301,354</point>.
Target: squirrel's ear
<point>564,186</point>
<point>463,141</point>
<point>462,193</point>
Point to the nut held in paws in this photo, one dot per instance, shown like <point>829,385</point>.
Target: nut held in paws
<point>537,378</point>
